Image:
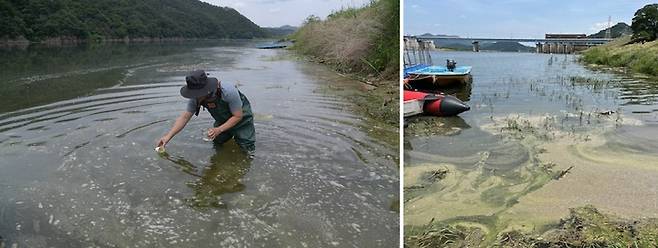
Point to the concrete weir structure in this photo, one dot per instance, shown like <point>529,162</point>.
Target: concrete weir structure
<point>561,44</point>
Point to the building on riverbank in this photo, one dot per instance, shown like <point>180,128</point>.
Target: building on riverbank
<point>563,44</point>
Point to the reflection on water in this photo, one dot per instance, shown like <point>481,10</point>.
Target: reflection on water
<point>544,134</point>
<point>78,126</point>
<point>223,175</point>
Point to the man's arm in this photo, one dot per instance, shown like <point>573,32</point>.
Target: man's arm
<point>231,122</point>
<point>180,123</point>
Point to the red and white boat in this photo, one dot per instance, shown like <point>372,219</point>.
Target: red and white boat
<point>418,102</point>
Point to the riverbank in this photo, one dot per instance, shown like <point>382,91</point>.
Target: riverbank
<point>363,45</point>
<point>634,58</point>
<point>583,227</point>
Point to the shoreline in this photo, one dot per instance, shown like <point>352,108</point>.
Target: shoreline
<point>375,96</point>
<point>69,41</point>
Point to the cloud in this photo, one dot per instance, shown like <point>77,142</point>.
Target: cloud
<point>274,13</point>
<point>235,4</point>
<point>599,26</point>
<point>270,1</point>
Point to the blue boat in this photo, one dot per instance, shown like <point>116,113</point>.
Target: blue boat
<point>274,45</point>
<point>435,75</point>
<point>413,68</point>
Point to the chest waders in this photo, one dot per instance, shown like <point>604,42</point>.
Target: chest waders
<point>243,132</point>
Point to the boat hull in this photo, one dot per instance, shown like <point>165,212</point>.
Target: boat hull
<point>437,104</point>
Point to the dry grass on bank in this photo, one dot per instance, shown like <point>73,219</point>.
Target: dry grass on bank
<point>355,40</point>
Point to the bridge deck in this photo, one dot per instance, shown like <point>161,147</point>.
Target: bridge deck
<point>573,41</point>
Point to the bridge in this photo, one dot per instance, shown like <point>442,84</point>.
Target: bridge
<point>552,44</point>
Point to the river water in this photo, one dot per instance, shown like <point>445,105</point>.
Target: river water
<point>544,134</point>
<point>78,126</point>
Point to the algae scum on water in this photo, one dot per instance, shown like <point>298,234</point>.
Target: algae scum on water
<point>529,176</point>
<point>555,157</point>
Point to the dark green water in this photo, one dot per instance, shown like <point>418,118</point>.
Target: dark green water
<point>77,131</point>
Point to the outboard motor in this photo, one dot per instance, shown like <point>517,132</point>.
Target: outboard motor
<point>451,64</point>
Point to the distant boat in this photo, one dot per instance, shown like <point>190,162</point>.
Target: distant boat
<point>274,45</point>
<point>424,77</point>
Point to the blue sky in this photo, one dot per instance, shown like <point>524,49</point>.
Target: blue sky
<point>515,18</point>
<point>274,13</point>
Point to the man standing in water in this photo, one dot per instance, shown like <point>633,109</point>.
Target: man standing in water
<point>228,106</point>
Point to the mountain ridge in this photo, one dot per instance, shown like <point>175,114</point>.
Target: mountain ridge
<point>36,20</point>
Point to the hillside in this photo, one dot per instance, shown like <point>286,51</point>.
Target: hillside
<point>638,57</point>
<point>485,46</point>
<point>455,46</point>
<point>507,47</point>
<point>37,20</point>
<point>282,31</point>
<point>616,31</point>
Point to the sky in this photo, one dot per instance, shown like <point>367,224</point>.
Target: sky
<point>275,13</point>
<point>515,18</point>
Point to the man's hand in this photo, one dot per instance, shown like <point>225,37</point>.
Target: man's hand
<point>213,132</point>
<point>163,141</point>
<point>180,123</point>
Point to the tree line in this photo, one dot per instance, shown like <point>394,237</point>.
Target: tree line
<point>645,23</point>
<point>36,20</point>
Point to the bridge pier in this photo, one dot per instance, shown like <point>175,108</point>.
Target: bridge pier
<point>476,46</point>
<point>556,47</point>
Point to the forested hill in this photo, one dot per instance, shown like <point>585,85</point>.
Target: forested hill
<point>37,20</point>
<point>616,31</point>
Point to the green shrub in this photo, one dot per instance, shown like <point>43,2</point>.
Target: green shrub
<point>641,58</point>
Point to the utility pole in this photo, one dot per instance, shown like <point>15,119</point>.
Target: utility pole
<point>607,31</point>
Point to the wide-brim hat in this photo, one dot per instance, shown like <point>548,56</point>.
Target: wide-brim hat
<point>198,85</point>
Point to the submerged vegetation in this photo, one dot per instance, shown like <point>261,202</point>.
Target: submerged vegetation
<point>584,227</point>
<point>480,200</point>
